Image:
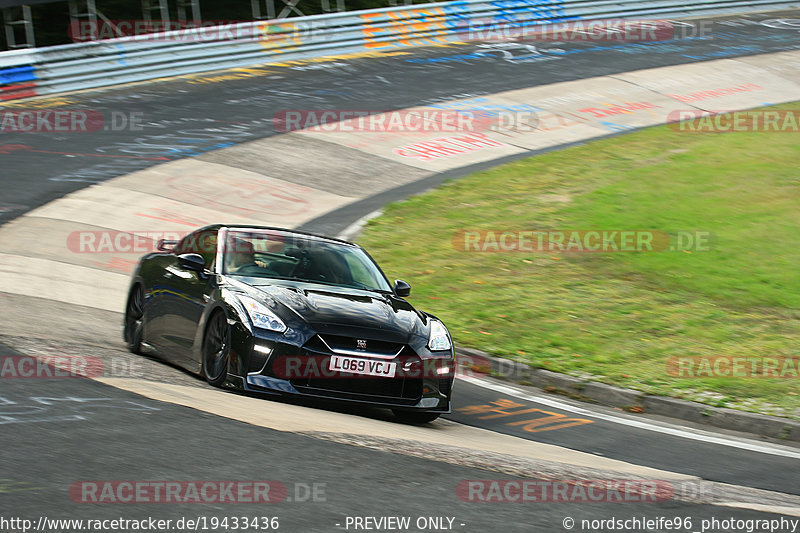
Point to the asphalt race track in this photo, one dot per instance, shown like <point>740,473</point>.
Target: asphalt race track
<point>89,434</point>
<point>55,433</point>
<point>708,460</point>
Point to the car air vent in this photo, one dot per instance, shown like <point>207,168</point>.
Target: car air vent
<point>337,342</point>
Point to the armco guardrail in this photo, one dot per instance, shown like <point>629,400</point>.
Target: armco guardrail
<point>55,69</point>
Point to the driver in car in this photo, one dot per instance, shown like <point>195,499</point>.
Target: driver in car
<point>242,259</point>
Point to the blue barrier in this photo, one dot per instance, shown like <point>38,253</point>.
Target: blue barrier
<point>18,74</point>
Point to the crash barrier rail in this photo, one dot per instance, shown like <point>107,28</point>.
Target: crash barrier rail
<point>93,64</point>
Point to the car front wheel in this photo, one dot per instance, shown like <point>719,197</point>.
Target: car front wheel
<point>216,350</point>
<point>134,320</point>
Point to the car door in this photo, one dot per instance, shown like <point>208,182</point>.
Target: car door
<point>184,295</point>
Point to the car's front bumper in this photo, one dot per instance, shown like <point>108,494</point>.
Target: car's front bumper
<point>433,401</point>
<point>261,367</point>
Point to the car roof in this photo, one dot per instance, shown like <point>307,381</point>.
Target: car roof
<point>246,227</point>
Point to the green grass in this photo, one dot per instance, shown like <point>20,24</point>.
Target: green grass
<point>618,317</point>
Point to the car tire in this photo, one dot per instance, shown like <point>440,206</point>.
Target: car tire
<point>134,320</point>
<point>216,350</point>
<point>415,417</point>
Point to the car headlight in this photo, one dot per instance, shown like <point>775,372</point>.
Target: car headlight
<point>261,316</point>
<point>439,339</point>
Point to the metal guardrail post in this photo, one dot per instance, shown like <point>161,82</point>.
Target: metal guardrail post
<point>289,7</point>
<point>255,6</point>
<point>84,19</point>
<point>326,6</point>
<point>12,22</point>
<point>194,5</point>
<point>148,6</point>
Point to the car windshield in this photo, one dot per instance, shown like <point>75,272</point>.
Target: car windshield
<point>280,255</point>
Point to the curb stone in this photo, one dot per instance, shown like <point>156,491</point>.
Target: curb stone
<point>608,395</point>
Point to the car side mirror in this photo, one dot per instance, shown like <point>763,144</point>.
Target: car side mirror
<point>401,288</point>
<point>192,262</point>
<point>166,245</point>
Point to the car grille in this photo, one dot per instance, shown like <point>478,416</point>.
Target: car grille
<point>351,344</point>
<point>398,390</point>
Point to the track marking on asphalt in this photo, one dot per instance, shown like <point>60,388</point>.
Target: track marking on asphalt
<point>317,423</point>
<point>498,409</point>
<point>677,431</point>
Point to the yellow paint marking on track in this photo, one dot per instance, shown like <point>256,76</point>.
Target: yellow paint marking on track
<point>226,77</point>
<point>251,72</point>
<point>39,103</point>
<point>325,59</point>
<point>500,409</point>
<point>9,486</point>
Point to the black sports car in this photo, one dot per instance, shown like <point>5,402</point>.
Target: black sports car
<point>280,311</point>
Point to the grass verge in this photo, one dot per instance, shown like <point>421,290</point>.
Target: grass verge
<point>619,318</point>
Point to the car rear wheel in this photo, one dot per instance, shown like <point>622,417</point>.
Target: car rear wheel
<point>216,350</point>
<point>414,417</point>
<point>134,320</point>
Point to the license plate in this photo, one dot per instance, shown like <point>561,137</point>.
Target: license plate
<point>363,367</point>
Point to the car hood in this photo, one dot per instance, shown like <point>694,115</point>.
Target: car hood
<point>346,311</point>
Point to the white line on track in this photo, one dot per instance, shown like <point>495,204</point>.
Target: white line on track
<point>677,431</point>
